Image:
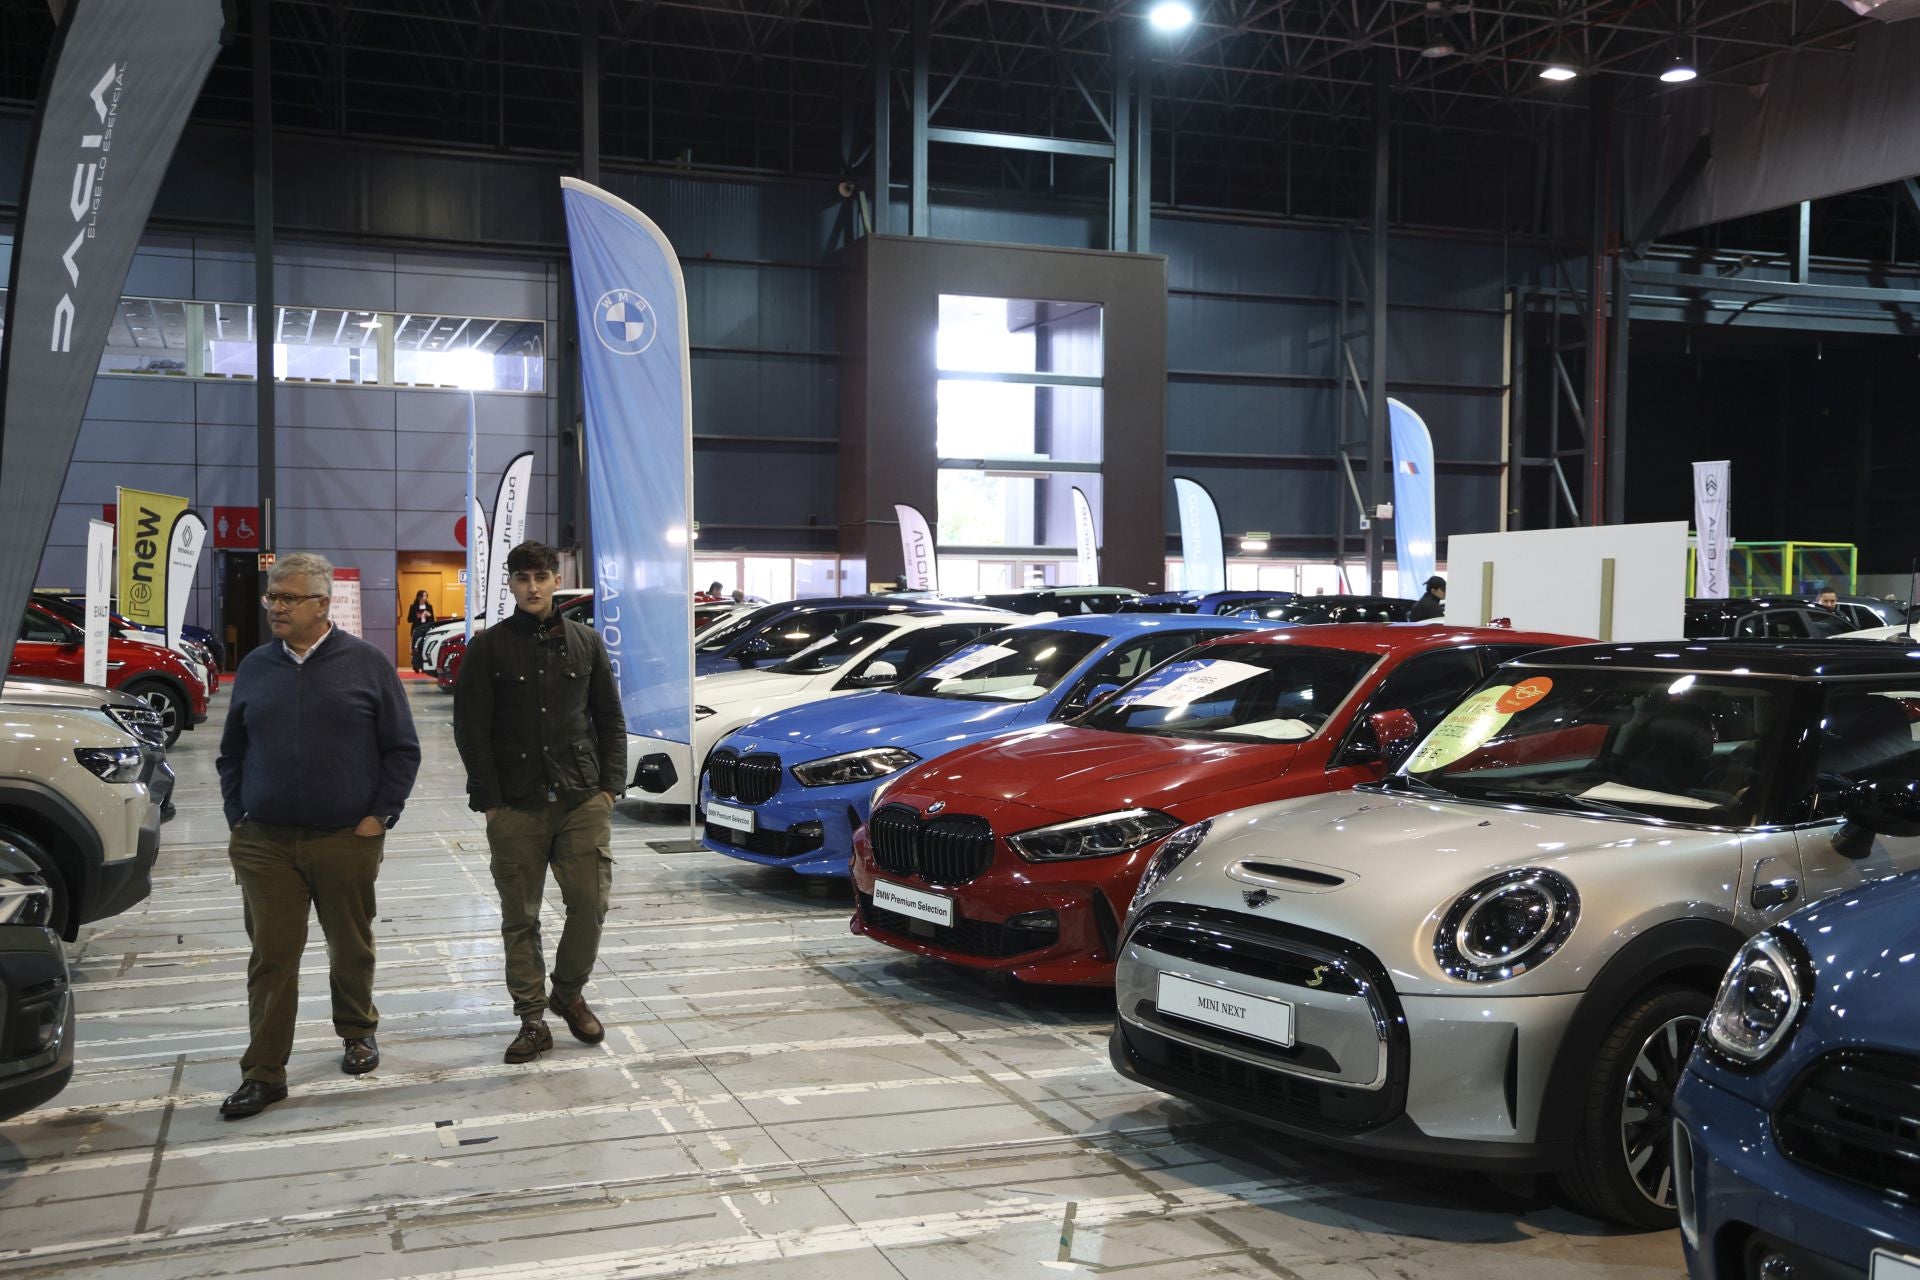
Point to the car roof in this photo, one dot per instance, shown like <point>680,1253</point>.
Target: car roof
<point>1402,637</point>
<point>1732,604</point>
<point>1126,624</point>
<point>1800,659</point>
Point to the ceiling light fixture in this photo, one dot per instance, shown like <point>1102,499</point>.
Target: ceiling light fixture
<point>1439,39</point>
<point>1171,15</point>
<point>1679,71</point>
<point>1558,71</point>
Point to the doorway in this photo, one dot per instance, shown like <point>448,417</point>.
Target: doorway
<point>239,604</point>
<point>441,574</point>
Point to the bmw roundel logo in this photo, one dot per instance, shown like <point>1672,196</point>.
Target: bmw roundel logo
<point>936,806</point>
<point>624,322</point>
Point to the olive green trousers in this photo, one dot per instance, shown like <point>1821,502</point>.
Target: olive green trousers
<point>575,842</point>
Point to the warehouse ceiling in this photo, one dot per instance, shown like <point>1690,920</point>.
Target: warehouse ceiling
<point>1261,107</point>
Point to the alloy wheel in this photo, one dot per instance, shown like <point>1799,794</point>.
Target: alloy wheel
<point>1646,1107</point>
<point>162,703</point>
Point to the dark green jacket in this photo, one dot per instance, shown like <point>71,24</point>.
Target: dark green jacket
<point>537,715</point>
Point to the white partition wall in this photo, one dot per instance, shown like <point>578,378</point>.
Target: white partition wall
<point>1612,582</point>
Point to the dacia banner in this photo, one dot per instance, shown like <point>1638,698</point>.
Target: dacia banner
<point>922,572</point>
<point>1712,497</point>
<point>121,77</point>
<point>1203,553</point>
<point>1414,533</point>
<point>188,538</point>
<point>637,399</point>
<point>145,526</point>
<point>1085,549</point>
<point>509,531</point>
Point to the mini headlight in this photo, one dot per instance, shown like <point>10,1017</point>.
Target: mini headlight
<point>700,712</point>
<point>1100,836</point>
<point>1760,1000</point>
<point>854,766</point>
<point>1506,926</point>
<point>24,899</point>
<point>1172,852</point>
<point>110,764</point>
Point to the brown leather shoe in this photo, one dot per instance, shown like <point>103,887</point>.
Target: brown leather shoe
<point>534,1039</point>
<point>579,1018</point>
<point>362,1056</point>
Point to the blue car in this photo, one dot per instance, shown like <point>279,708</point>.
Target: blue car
<point>776,632</point>
<point>1797,1125</point>
<point>790,789</point>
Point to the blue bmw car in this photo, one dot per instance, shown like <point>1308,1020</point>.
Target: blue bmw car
<point>1797,1126</point>
<point>789,790</point>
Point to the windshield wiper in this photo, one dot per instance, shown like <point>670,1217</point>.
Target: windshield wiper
<point>1397,781</point>
<point>1560,800</point>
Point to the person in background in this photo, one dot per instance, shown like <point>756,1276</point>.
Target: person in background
<point>538,721</point>
<point>1433,603</point>
<point>420,612</point>
<point>1828,599</point>
<point>316,761</point>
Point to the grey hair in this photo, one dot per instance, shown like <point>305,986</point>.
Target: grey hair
<point>303,564</point>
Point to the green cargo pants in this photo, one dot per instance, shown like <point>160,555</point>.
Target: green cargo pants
<point>576,843</point>
<point>285,873</point>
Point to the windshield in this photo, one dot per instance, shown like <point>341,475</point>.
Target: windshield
<point>1303,614</point>
<point>1008,666</point>
<point>717,640</point>
<point>1253,692</point>
<point>1678,747</point>
<point>829,652</point>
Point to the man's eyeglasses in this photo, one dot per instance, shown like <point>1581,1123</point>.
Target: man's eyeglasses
<point>274,599</point>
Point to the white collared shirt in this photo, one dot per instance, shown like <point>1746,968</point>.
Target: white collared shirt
<point>300,659</point>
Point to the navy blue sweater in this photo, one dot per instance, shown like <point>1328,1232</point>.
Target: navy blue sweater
<point>320,744</point>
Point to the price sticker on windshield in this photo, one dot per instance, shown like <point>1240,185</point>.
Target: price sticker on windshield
<point>1470,726</point>
<point>968,659</point>
<point>1183,683</point>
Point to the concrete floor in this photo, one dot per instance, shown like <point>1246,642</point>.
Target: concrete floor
<point>775,1098</point>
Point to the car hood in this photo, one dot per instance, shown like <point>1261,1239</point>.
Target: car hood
<point>925,726</point>
<point>64,693</point>
<point>1071,771</point>
<point>1398,863</point>
<point>1865,946</point>
<point>746,684</point>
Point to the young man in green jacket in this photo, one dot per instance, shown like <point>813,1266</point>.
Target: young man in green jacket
<point>538,721</point>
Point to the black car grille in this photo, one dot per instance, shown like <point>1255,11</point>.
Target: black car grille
<point>769,844</point>
<point>1195,1072</point>
<point>963,937</point>
<point>749,779</point>
<point>1856,1115</point>
<point>945,850</point>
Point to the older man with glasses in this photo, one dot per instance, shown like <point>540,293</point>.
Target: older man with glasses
<point>318,757</point>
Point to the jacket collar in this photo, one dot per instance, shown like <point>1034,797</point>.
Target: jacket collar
<point>525,624</point>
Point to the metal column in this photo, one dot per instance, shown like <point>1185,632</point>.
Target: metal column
<point>1377,323</point>
<point>590,91</point>
<point>882,116</point>
<point>1142,128</point>
<point>1120,172</point>
<point>266,324</point>
<point>919,223</point>
<point>1595,411</point>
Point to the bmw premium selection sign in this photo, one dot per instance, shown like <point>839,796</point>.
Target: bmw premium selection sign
<point>120,80</point>
<point>917,904</point>
<point>632,308</point>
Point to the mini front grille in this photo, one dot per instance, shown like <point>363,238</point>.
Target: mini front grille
<point>950,849</point>
<point>963,937</point>
<point>1221,941</point>
<point>750,779</point>
<point>1193,1072</point>
<point>1856,1116</point>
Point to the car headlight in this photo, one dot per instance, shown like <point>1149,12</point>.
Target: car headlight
<point>1760,999</point>
<point>142,722</point>
<point>854,766</point>
<point>24,899</point>
<point>1173,851</point>
<point>700,712</point>
<point>1506,926</point>
<point>110,764</point>
<point>1101,836</point>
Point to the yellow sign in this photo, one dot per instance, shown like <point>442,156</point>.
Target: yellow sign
<point>145,528</point>
<point>1470,727</point>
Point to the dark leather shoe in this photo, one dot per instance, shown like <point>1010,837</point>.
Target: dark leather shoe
<point>362,1056</point>
<point>534,1039</point>
<point>580,1020</point>
<point>251,1098</point>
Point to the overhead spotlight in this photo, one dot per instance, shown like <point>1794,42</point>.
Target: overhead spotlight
<point>1679,71</point>
<point>1558,71</point>
<point>1439,39</point>
<point>1253,544</point>
<point>1171,15</point>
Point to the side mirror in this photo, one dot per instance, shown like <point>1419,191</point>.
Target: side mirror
<point>878,675</point>
<point>1100,693</point>
<point>1395,732</point>
<point>1889,807</point>
<point>754,649</point>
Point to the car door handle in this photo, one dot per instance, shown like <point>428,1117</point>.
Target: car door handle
<point>1769,894</point>
<point>115,666</point>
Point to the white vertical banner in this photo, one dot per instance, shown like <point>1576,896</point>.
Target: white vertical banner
<point>1712,501</point>
<point>344,612</point>
<point>922,571</point>
<point>184,544</point>
<point>1085,546</point>
<point>99,599</point>
<point>509,530</point>
<point>1203,551</point>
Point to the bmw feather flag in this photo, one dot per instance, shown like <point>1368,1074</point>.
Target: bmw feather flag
<point>1414,532</point>
<point>632,306</point>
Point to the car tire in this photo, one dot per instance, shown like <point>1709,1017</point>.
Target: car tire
<point>36,853</point>
<point>168,701</point>
<point>1622,1169</point>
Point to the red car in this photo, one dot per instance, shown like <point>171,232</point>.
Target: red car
<point>52,648</point>
<point>450,655</point>
<point>1021,854</point>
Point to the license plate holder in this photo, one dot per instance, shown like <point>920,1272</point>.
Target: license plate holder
<point>1211,1005</point>
<point>732,817</point>
<point>916,904</point>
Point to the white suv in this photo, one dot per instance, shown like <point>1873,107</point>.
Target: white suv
<point>75,799</point>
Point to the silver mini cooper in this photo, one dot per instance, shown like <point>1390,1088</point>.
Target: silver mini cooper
<point>1500,956</point>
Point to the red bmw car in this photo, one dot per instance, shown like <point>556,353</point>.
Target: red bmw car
<point>1020,854</point>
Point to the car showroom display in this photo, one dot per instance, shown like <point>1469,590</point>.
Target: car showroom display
<point>52,648</point>
<point>789,790</point>
<point>1500,955</point>
<point>1021,853</point>
<point>1309,611</point>
<point>119,710</point>
<point>1204,601</point>
<point>776,632</point>
<point>36,1000</point>
<point>1764,618</point>
<point>1063,602</point>
<point>873,654</point>
<point>1797,1127</point>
